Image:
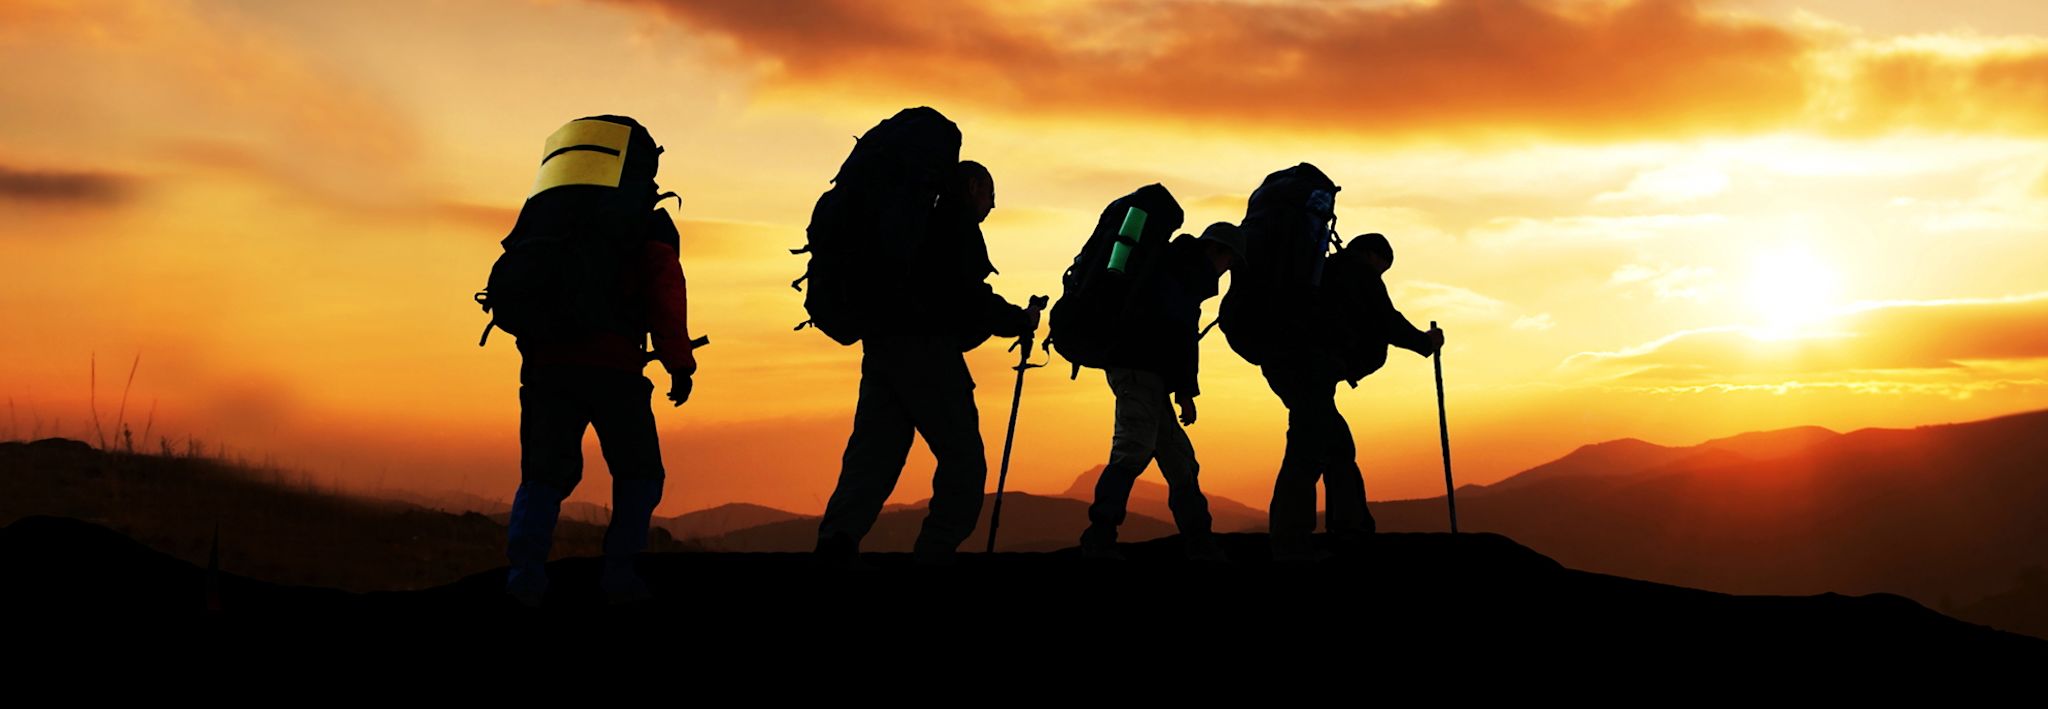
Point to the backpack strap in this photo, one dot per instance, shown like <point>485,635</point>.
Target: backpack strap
<point>483,298</point>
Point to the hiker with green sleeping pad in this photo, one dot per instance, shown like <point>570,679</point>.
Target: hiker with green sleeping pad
<point>1131,306</point>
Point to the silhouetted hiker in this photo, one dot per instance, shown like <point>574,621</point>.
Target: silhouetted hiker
<point>589,273</point>
<point>1165,361</point>
<point>1309,324</point>
<point>905,275</point>
<point>1365,323</point>
<point>1131,306</point>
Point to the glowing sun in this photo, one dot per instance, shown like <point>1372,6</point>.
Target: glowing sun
<point>1793,291</point>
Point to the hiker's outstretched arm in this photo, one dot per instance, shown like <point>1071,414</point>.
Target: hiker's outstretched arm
<point>1401,333</point>
<point>668,317</point>
<point>1002,318</point>
<point>1404,334</point>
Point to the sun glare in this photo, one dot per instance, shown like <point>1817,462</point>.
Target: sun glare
<point>1792,291</point>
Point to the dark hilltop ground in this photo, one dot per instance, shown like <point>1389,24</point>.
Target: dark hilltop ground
<point>1401,591</point>
<point>1472,595</point>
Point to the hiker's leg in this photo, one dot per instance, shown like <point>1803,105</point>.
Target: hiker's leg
<point>1344,506</point>
<point>945,414</point>
<point>874,455</point>
<point>624,419</point>
<point>1130,450</point>
<point>1292,516</point>
<point>1176,456</point>
<point>551,425</point>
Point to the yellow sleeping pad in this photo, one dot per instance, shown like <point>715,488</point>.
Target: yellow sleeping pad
<point>583,152</point>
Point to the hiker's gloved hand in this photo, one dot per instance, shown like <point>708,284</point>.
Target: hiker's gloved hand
<point>679,389</point>
<point>1187,408</point>
<point>1436,340</point>
<point>1033,311</point>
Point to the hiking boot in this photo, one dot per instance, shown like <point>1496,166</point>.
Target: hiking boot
<point>1098,543</point>
<point>1203,548</point>
<point>837,552</point>
<point>1351,541</point>
<point>932,556</point>
<point>527,584</point>
<point>1094,550</point>
<point>1288,550</point>
<point>622,583</point>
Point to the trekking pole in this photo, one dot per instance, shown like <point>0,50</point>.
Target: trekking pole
<point>1443,430</point>
<point>995,517</point>
<point>694,344</point>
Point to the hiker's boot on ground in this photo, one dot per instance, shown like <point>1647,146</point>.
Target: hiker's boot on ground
<point>1203,548</point>
<point>1098,543</point>
<point>527,584</point>
<point>1297,550</point>
<point>839,552</point>
<point>621,582</point>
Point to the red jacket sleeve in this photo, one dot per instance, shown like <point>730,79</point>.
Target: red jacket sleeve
<point>668,310</point>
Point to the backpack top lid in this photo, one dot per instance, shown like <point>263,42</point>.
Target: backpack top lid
<point>1163,213</point>
<point>1280,215</point>
<point>598,151</point>
<point>918,145</point>
<point>1288,191</point>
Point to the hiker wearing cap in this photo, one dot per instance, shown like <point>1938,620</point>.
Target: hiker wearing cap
<point>914,379</point>
<point>1160,362</point>
<point>1310,318</point>
<point>1362,325</point>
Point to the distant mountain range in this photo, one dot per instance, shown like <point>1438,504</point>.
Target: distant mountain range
<point>1944,514</point>
<point>1950,515</point>
<point>1954,516</point>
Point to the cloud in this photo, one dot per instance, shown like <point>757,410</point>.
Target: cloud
<point>1947,389</point>
<point>93,189</point>
<point>1593,229</point>
<point>1447,303</point>
<point>1569,69</point>
<point>1676,184</point>
<point>1534,323</point>
<point>1947,82</point>
<point>1695,283</point>
<point>1875,342</point>
<point>206,70</point>
<point>1577,69</point>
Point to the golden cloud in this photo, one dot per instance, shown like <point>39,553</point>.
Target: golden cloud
<point>1938,82</point>
<point>1878,339</point>
<point>1457,68</point>
<point>1645,67</point>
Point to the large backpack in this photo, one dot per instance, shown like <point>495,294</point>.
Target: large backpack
<point>1094,315</point>
<point>1354,326</point>
<point>864,231</point>
<point>561,276</point>
<point>1289,226</point>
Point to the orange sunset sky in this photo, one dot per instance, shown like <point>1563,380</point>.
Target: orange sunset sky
<point>1662,219</point>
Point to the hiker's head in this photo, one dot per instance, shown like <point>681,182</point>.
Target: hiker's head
<point>1223,244</point>
<point>1378,252</point>
<point>977,189</point>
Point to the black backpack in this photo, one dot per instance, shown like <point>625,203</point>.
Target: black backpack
<point>1094,312</point>
<point>1289,226</point>
<point>1352,309</point>
<point>561,277</point>
<point>864,231</point>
